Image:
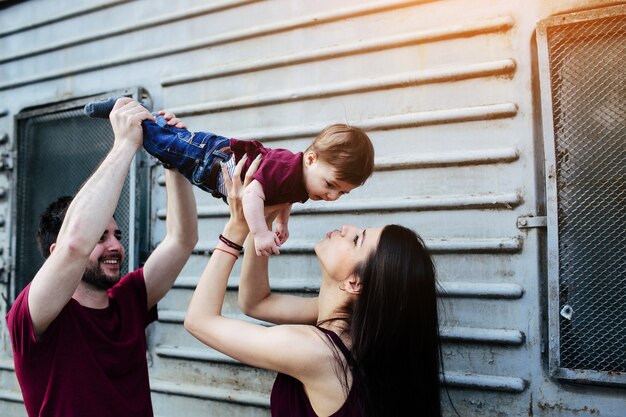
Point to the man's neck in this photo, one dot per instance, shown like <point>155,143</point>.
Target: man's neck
<point>89,296</point>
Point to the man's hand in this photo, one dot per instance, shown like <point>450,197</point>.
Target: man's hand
<point>126,118</point>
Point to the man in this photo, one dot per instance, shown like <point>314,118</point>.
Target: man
<point>78,330</point>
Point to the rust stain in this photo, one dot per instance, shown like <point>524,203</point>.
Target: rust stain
<point>561,407</point>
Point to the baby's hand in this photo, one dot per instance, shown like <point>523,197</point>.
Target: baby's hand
<point>172,120</point>
<point>266,243</point>
<point>282,231</point>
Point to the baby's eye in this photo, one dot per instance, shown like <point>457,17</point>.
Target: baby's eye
<point>356,239</point>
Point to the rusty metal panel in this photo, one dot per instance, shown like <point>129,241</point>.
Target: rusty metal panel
<point>445,90</point>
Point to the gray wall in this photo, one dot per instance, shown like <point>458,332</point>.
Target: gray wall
<point>448,93</point>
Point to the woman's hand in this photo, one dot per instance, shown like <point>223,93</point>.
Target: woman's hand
<point>205,309</point>
<point>235,189</point>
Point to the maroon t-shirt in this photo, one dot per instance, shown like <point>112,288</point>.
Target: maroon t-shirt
<point>88,362</point>
<point>280,173</point>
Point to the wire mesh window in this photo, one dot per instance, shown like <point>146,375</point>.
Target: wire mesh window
<point>586,60</point>
<point>57,150</point>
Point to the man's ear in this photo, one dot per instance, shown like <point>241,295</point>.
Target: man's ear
<point>309,158</point>
<point>353,285</point>
<point>54,245</point>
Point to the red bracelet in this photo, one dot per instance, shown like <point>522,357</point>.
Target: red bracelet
<point>230,253</point>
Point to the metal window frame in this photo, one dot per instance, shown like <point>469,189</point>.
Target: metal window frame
<point>554,343</point>
<point>137,93</point>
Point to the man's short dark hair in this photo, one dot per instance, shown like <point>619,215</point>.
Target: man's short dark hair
<point>50,223</point>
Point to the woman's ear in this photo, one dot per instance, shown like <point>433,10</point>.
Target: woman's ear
<point>353,285</point>
<point>54,245</point>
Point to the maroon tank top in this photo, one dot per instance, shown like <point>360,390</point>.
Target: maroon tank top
<point>288,398</point>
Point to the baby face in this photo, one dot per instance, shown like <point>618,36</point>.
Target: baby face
<point>321,182</point>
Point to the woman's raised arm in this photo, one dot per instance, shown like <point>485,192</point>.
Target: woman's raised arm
<point>256,298</point>
<point>254,344</point>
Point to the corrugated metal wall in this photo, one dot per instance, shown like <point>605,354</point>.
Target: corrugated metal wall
<point>408,72</point>
<point>445,91</point>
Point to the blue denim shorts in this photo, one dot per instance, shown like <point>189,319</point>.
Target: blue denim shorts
<point>193,154</point>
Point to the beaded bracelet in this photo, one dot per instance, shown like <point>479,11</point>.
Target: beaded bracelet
<point>230,243</point>
<point>230,253</point>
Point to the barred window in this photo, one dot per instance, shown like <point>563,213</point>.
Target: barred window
<point>58,148</point>
<point>582,59</point>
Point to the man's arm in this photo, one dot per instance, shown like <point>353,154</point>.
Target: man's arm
<point>165,263</point>
<point>86,219</point>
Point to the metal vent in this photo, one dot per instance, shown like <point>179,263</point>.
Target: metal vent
<point>587,83</point>
<point>58,148</point>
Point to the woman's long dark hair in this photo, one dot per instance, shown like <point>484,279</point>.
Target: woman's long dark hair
<point>395,329</point>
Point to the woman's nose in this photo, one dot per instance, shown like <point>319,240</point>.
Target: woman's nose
<point>346,228</point>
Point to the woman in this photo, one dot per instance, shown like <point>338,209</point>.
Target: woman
<point>368,345</point>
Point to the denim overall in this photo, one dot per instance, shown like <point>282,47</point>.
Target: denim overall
<point>196,155</point>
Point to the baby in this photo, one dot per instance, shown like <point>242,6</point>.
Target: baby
<point>340,159</point>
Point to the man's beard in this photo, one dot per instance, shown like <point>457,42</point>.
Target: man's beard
<point>96,277</point>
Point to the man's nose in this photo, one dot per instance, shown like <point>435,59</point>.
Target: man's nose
<point>113,244</point>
